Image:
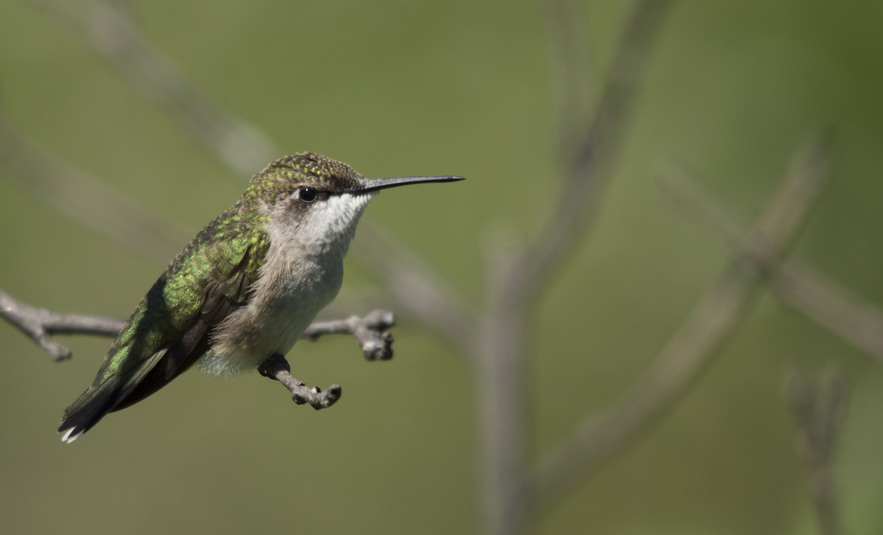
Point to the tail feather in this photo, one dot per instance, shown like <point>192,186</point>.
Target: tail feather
<point>101,399</point>
<point>87,410</point>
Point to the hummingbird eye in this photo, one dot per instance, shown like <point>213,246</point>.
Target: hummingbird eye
<point>307,195</point>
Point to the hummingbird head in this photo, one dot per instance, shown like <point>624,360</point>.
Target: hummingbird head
<point>315,201</point>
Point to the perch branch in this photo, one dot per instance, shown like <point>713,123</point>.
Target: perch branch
<point>39,324</point>
<point>690,350</point>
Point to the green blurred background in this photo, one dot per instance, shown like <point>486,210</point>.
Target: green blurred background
<point>394,88</point>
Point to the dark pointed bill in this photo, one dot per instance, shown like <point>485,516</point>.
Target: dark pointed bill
<point>383,183</point>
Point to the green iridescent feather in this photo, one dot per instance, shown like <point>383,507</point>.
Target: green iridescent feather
<point>171,327</point>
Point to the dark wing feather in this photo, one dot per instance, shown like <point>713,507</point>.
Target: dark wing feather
<point>173,324</point>
<point>184,352</point>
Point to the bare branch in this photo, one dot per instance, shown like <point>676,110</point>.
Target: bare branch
<point>857,321</point>
<point>691,348</point>
<point>277,368</point>
<point>109,31</point>
<point>371,332</point>
<point>819,406</point>
<point>39,324</point>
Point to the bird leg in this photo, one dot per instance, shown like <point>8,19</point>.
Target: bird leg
<point>276,367</point>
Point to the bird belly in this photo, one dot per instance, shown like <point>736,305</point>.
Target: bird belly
<point>285,301</point>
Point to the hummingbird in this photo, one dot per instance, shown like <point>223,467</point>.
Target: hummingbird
<point>244,289</point>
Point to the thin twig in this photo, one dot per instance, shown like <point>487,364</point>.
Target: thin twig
<point>370,331</point>
<point>832,306</point>
<point>39,324</point>
<point>819,406</point>
<point>691,348</point>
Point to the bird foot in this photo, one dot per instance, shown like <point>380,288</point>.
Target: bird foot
<point>277,368</point>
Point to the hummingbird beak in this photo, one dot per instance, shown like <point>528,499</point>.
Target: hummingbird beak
<point>383,183</point>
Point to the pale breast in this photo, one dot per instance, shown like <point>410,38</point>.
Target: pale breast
<point>286,298</point>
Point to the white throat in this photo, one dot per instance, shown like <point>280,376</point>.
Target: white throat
<point>326,230</point>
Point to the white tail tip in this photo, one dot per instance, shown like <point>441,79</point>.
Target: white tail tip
<point>67,438</point>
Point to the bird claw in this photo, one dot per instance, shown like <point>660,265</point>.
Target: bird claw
<point>277,368</point>
<point>315,396</point>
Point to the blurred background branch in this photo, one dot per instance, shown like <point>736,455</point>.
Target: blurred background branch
<point>834,307</point>
<point>692,347</point>
<point>516,278</point>
<point>85,199</point>
<point>592,140</point>
<point>107,28</point>
<point>818,403</point>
